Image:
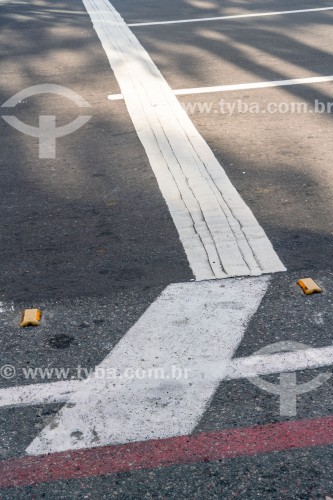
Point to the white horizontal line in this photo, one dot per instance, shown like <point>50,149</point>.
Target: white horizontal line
<point>238,16</point>
<point>239,368</point>
<point>242,86</point>
<point>255,85</point>
<point>253,366</point>
<point>115,97</point>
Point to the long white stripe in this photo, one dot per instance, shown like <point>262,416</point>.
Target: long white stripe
<point>255,85</point>
<point>238,368</point>
<point>220,235</point>
<point>236,16</point>
<point>190,324</point>
<point>242,86</point>
<point>252,366</point>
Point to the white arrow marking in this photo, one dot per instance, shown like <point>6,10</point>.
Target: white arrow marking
<point>193,324</point>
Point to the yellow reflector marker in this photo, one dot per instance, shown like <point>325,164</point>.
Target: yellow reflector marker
<point>309,286</point>
<point>31,317</point>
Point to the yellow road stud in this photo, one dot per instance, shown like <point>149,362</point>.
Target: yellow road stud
<point>31,317</point>
<point>309,286</point>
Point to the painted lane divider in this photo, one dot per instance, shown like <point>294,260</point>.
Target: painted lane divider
<point>216,445</point>
<point>243,86</point>
<point>220,235</point>
<point>236,16</point>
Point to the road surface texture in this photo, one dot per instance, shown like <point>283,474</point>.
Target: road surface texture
<point>168,232</point>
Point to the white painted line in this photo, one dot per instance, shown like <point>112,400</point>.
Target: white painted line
<point>238,368</point>
<point>115,97</point>
<point>255,85</point>
<point>254,366</point>
<point>226,18</point>
<point>220,235</point>
<point>197,324</point>
<point>242,86</point>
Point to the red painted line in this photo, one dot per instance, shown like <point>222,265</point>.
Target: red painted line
<point>203,447</point>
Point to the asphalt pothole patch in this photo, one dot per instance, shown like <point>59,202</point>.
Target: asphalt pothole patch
<point>61,341</point>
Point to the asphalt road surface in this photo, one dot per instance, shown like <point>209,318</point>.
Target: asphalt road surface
<point>95,234</point>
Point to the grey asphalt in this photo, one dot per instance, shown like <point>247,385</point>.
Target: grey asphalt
<point>88,238</point>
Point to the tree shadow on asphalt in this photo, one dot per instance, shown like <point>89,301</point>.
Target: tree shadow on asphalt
<point>91,222</point>
<point>106,209</point>
<point>288,186</point>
